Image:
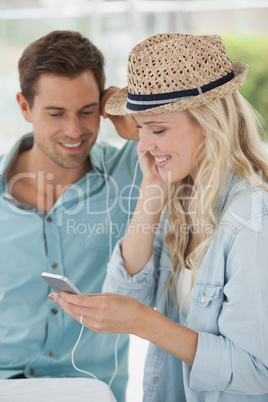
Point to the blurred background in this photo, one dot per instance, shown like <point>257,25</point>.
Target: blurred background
<point>115,27</point>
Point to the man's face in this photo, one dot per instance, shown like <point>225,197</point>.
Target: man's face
<point>65,117</point>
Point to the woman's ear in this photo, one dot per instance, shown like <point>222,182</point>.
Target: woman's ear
<point>24,107</point>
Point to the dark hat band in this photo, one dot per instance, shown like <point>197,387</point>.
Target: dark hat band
<point>143,102</point>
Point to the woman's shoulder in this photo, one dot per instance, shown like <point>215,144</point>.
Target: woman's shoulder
<point>245,203</point>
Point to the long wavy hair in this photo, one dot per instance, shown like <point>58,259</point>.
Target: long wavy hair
<point>231,144</point>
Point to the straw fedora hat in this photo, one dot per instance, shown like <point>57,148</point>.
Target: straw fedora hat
<point>172,72</point>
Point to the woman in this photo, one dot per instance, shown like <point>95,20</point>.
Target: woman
<point>196,248</point>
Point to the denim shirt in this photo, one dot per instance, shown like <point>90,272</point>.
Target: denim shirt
<point>72,239</point>
<point>228,307</point>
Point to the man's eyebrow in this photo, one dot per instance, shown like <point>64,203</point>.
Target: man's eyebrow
<point>62,108</point>
<point>53,108</point>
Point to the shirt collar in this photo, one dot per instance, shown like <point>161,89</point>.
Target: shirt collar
<point>96,155</point>
<point>23,144</point>
<point>26,142</point>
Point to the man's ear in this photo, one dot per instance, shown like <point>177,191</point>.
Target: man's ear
<point>24,107</point>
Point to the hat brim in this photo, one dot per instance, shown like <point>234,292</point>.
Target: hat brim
<point>116,105</point>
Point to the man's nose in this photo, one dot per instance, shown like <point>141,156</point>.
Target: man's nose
<point>73,127</point>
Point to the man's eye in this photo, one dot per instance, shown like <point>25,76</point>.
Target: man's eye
<point>87,112</point>
<point>138,126</point>
<point>55,114</point>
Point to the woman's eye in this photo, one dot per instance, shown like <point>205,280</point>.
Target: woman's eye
<point>159,131</point>
<point>138,126</point>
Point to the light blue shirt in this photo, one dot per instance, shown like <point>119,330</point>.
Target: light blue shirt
<point>72,239</point>
<point>228,307</point>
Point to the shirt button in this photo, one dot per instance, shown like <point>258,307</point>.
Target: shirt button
<point>50,354</point>
<point>49,219</point>
<point>54,311</point>
<point>156,379</point>
<point>203,298</point>
<point>31,371</point>
<point>54,266</point>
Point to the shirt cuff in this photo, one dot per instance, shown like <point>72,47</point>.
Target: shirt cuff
<point>119,281</point>
<point>211,369</point>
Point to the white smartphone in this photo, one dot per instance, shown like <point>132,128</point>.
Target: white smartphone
<point>60,283</point>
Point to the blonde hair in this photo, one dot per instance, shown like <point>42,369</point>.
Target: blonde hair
<point>232,143</point>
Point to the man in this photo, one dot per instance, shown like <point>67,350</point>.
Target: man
<point>59,211</point>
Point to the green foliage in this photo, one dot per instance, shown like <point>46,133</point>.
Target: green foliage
<point>252,50</point>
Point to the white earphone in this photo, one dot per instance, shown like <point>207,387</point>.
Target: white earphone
<point>110,253</point>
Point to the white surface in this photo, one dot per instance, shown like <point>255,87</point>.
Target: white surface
<point>78,389</point>
<point>137,352</point>
<point>55,390</point>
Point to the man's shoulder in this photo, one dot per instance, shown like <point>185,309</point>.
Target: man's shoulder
<point>110,154</point>
<point>125,147</point>
<point>4,161</point>
<point>22,144</point>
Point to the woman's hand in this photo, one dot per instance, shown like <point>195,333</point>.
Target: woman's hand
<point>103,313</point>
<point>116,314</point>
<point>148,167</point>
<point>152,184</point>
<point>124,125</point>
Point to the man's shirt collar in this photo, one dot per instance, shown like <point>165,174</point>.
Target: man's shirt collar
<point>26,142</point>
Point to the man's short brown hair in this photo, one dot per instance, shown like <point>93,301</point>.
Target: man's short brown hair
<point>60,53</point>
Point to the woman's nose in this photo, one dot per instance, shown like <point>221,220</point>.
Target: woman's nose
<point>146,141</point>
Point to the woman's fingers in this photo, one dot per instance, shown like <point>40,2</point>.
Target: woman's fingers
<point>106,312</point>
<point>79,307</point>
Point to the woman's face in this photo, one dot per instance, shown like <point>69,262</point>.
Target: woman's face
<point>174,141</point>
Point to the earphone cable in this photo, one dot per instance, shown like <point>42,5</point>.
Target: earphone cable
<point>73,363</point>
<point>110,253</point>
<point>131,188</point>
